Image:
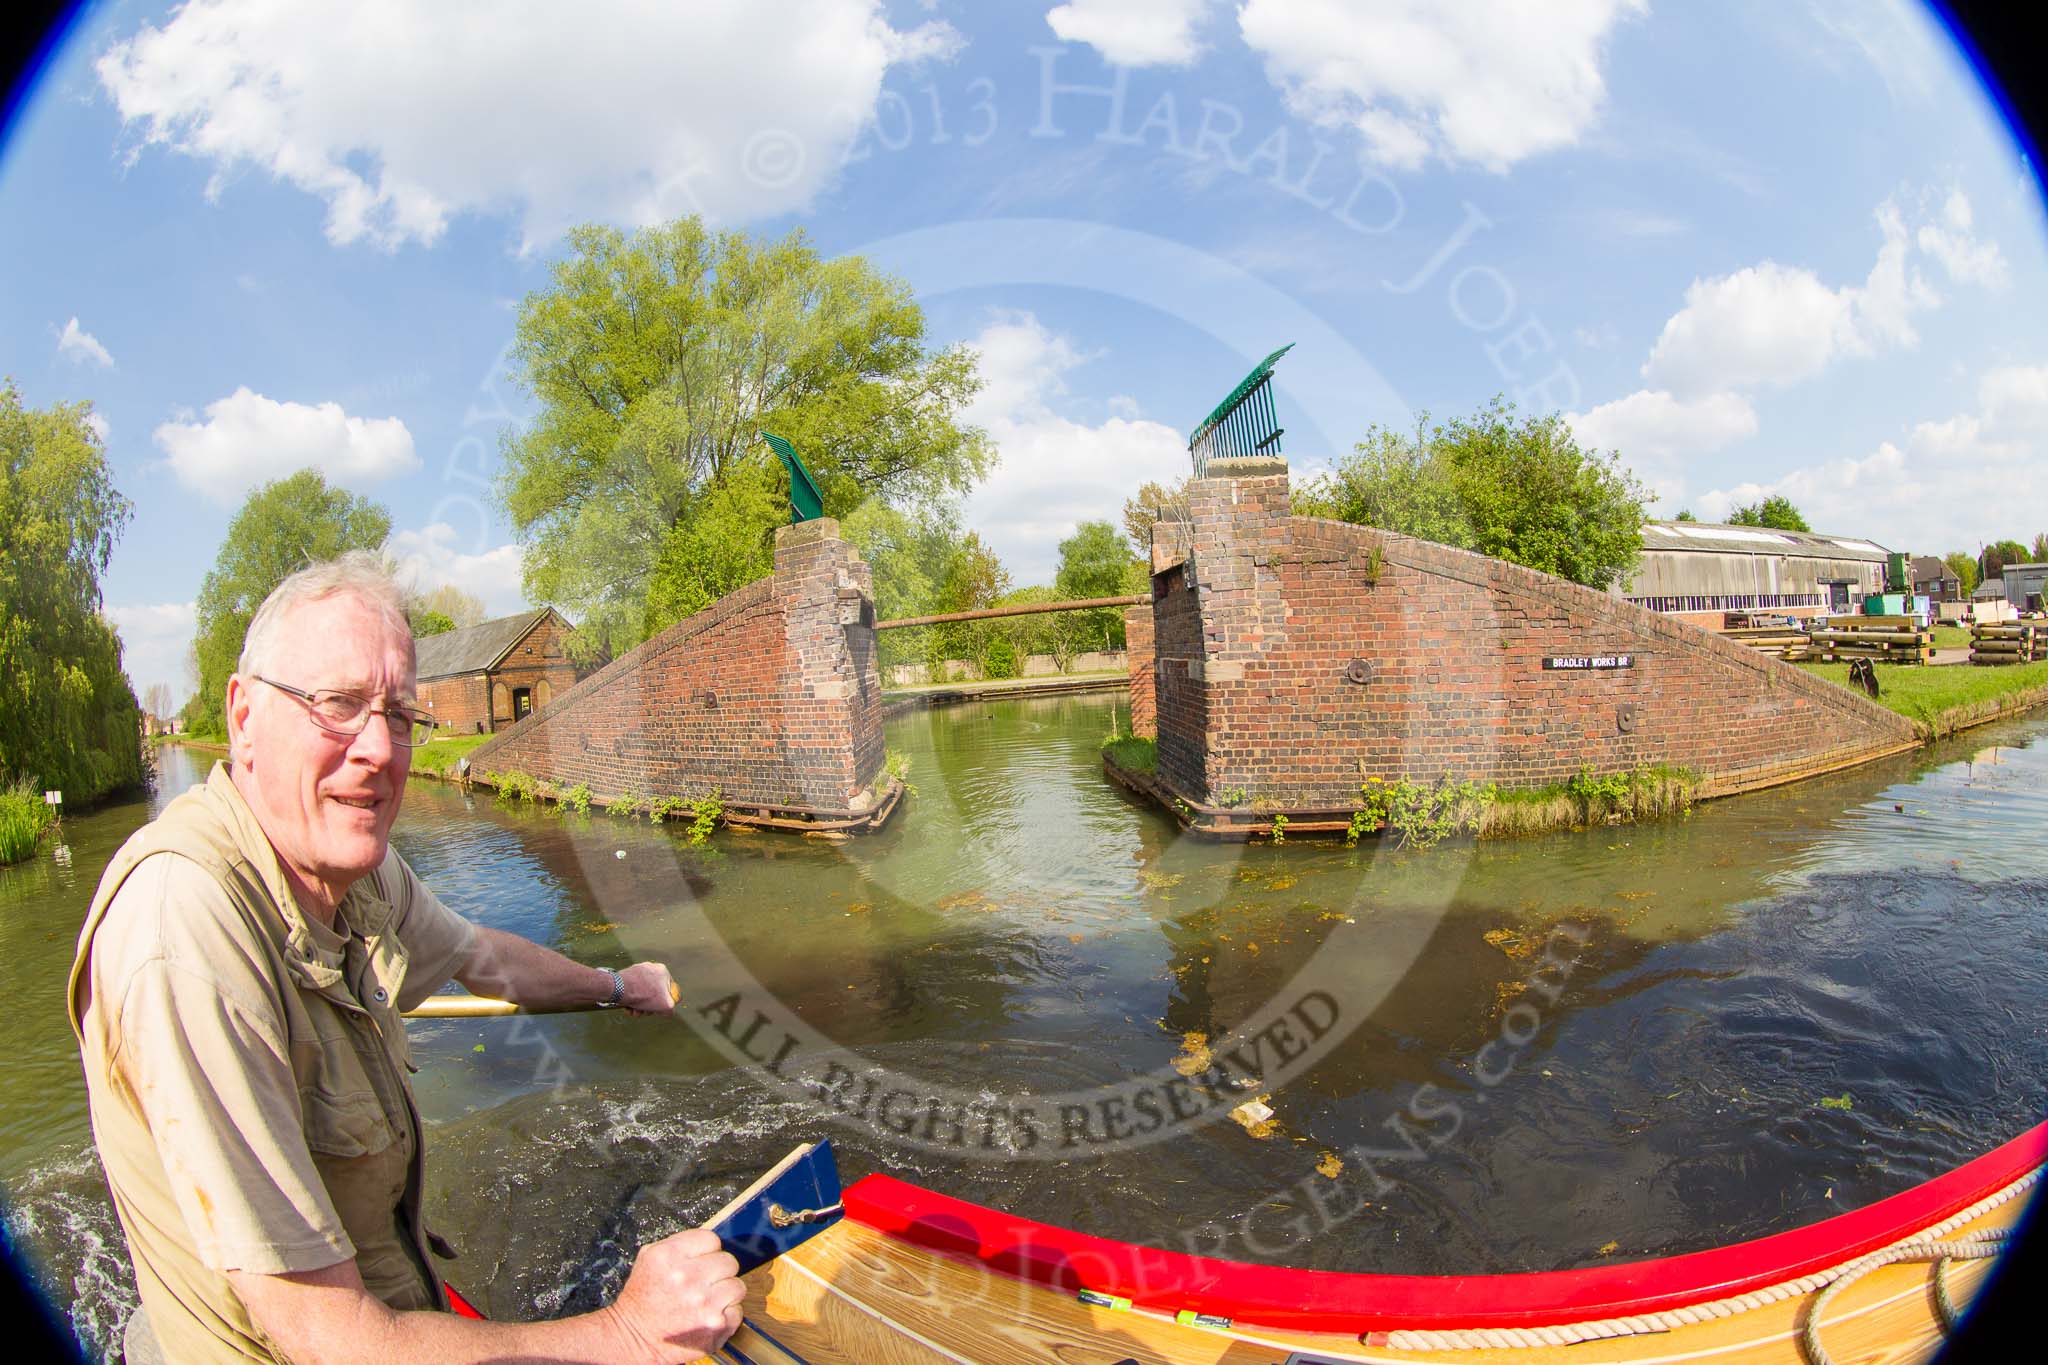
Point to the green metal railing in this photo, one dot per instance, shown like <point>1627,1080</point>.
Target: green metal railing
<point>805,502</point>
<point>1245,423</point>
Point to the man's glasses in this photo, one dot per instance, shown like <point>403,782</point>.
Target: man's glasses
<point>345,713</point>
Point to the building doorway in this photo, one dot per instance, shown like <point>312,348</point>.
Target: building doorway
<point>522,703</point>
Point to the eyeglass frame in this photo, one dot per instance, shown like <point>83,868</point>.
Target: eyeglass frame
<point>413,716</point>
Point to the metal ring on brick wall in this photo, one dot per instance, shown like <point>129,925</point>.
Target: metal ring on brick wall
<point>1358,671</point>
<point>1625,717</point>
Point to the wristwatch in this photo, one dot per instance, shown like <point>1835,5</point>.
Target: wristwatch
<point>618,994</point>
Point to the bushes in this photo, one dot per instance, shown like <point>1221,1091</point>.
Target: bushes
<point>23,818</point>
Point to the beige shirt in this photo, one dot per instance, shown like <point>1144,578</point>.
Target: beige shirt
<point>246,1068</point>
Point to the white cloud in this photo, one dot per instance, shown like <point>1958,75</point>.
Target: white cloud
<point>100,426</point>
<point>1651,427</point>
<point>1054,472</point>
<point>1490,82</point>
<point>1953,242</point>
<point>81,347</point>
<point>1943,486</point>
<point>1775,325</point>
<point>155,640</point>
<point>628,111</point>
<point>248,439</point>
<point>432,558</point>
<point>1132,32</point>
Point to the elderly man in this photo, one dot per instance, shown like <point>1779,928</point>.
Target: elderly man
<point>237,995</point>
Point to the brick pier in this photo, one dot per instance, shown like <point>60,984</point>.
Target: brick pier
<point>1293,658</point>
<point>770,698</point>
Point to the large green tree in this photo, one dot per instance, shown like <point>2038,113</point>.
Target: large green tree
<point>281,528</point>
<point>1097,562</point>
<point>1998,554</point>
<point>1964,567</point>
<point>1516,488</point>
<point>1775,512</point>
<point>68,716</point>
<point>640,489</point>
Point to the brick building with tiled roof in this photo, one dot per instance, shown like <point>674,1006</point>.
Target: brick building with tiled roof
<point>480,679</point>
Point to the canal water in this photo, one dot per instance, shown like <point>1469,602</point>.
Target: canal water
<point>1605,1044</point>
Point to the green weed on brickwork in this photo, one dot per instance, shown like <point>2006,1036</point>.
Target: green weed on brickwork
<point>706,811</point>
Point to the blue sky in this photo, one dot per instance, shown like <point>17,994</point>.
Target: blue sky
<point>1755,247</point>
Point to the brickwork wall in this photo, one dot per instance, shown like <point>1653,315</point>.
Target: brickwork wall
<point>769,696</point>
<point>1297,657</point>
<point>1138,658</point>
<point>460,704</point>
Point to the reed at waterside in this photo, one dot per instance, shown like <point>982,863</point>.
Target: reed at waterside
<point>23,818</point>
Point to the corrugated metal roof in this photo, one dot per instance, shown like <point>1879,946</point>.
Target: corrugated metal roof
<point>474,647</point>
<point>1754,540</point>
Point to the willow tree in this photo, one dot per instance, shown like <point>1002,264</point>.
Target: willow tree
<point>68,716</point>
<point>640,490</point>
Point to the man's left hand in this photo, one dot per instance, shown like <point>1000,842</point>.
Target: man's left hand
<point>649,989</point>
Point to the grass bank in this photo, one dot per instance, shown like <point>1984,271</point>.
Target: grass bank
<point>1941,701</point>
<point>23,818</point>
<point>437,757</point>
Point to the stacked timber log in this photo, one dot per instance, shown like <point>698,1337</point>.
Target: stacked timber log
<point>2012,642</point>
<point>1784,641</point>
<point>1881,639</point>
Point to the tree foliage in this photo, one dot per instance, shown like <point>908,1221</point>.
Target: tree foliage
<point>1154,503</point>
<point>1964,567</point>
<point>68,715</point>
<point>1518,489</point>
<point>1775,512</point>
<point>1096,562</point>
<point>282,527</point>
<point>640,489</point>
<point>1997,555</point>
<point>2039,552</point>
<point>463,609</point>
<point>425,621</point>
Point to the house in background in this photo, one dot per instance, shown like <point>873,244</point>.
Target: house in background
<point>482,678</point>
<point>1935,579</point>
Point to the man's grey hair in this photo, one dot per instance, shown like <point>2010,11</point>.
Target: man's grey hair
<point>361,573</point>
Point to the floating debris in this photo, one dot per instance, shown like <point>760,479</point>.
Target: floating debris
<point>959,898</point>
<point>1154,880</point>
<point>1846,1101</point>
<point>1256,1117</point>
<point>1195,1057</point>
<point>1513,942</point>
<point>1610,1248</point>
<point>598,927</point>
<point>1330,1165</point>
<point>858,907</point>
<point>1280,883</point>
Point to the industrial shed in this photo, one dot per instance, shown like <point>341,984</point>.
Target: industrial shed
<point>482,678</point>
<point>1705,573</point>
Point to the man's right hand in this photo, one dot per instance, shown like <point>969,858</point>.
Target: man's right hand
<point>681,1300</point>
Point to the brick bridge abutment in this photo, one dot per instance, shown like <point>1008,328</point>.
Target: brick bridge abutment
<point>770,699</point>
<point>1290,659</point>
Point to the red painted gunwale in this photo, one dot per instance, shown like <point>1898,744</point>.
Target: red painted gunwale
<point>1331,1301</point>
